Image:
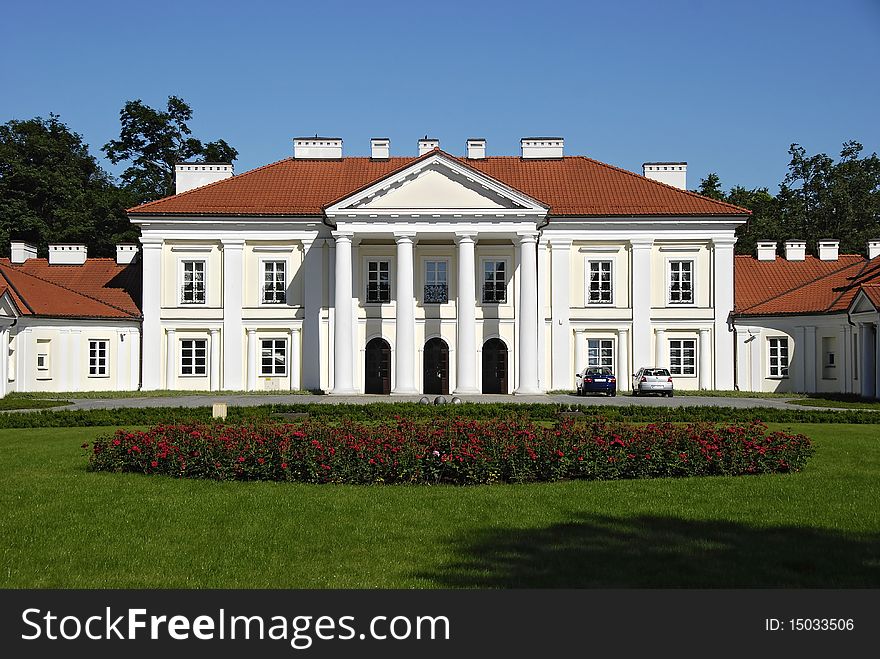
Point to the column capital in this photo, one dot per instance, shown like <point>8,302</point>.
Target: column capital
<point>465,237</point>
<point>641,243</point>
<point>251,331</point>
<point>232,243</point>
<point>622,330</point>
<point>705,330</point>
<point>342,236</point>
<point>170,330</point>
<point>659,330</point>
<point>579,330</point>
<point>559,243</point>
<point>213,330</point>
<point>151,243</point>
<point>404,237</point>
<point>726,242</point>
<point>526,238</point>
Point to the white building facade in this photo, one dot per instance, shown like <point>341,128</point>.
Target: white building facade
<point>435,274</point>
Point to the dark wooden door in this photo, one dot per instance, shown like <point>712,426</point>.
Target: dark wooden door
<point>494,367</point>
<point>436,367</point>
<point>377,369</point>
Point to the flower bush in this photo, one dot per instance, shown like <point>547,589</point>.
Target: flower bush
<point>455,451</point>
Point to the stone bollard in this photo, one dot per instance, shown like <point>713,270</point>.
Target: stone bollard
<point>219,411</point>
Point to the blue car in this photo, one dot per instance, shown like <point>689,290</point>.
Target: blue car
<point>595,379</point>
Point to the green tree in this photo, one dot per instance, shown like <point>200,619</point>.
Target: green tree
<point>153,141</point>
<point>711,187</point>
<point>53,190</point>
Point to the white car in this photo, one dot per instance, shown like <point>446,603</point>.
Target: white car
<point>652,381</point>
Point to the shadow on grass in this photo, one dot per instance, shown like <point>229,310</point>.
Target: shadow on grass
<point>660,552</point>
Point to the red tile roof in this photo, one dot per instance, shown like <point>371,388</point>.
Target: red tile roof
<point>781,287</point>
<point>571,186</point>
<point>97,289</point>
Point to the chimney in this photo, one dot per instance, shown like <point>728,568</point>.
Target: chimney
<point>874,248</point>
<point>317,148</point>
<point>125,253</point>
<point>22,251</point>
<point>191,175</point>
<point>68,254</point>
<point>766,250</point>
<point>670,173</point>
<point>542,147</point>
<point>428,144</point>
<point>795,250</point>
<point>476,148</point>
<point>380,148</point>
<point>828,249</point>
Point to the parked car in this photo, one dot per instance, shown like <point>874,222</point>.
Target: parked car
<point>652,381</point>
<point>595,379</point>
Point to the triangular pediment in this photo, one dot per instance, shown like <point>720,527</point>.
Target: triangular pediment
<point>862,304</point>
<point>437,184</point>
<point>8,307</point>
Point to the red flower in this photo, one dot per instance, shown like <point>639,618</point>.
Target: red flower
<point>154,464</point>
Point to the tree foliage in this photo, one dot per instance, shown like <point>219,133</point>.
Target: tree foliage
<point>153,141</point>
<point>818,198</point>
<point>53,190</point>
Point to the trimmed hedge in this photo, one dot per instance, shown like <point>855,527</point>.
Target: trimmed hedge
<point>450,451</point>
<point>383,412</point>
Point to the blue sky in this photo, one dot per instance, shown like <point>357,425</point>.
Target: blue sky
<point>726,86</point>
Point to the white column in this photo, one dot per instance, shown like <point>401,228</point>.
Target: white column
<point>661,351</point>
<point>76,357</point>
<point>723,305</point>
<point>875,364</point>
<point>233,301</point>
<point>313,293</point>
<point>810,359</point>
<point>22,361</point>
<point>743,380</point>
<point>215,359</point>
<point>758,351</point>
<point>623,370</point>
<point>405,328</point>
<point>63,359</point>
<point>580,352</point>
<point>251,359</point>
<point>799,360</point>
<point>561,374</point>
<point>295,360</point>
<point>641,302</point>
<point>151,307</point>
<point>842,359</point>
<point>544,312</point>
<point>527,315</point>
<point>134,358</point>
<point>4,360</point>
<point>866,374</point>
<point>465,318</point>
<point>705,363</point>
<point>343,379</point>
<point>170,358</point>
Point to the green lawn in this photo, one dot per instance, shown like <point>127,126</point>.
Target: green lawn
<point>846,403</point>
<point>11,403</point>
<point>61,526</point>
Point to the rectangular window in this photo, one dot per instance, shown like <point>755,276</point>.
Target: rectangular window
<point>193,289</point>
<point>778,357</point>
<point>682,357</point>
<point>378,281</point>
<point>436,287</point>
<point>274,357</point>
<point>97,358</point>
<point>194,357</point>
<point>599,286</point>
<point>600,352</point>
<point>274,282</point>
<point>42,362</point>
<point>494,282</point>
<point>681,282</point>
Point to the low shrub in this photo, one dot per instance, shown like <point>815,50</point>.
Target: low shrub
<point>453,451</point>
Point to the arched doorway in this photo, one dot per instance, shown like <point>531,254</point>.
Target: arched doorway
<point>377,367</point>
<point>436,367</point>
<point>494,367</point>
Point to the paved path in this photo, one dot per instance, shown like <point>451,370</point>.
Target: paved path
<point>568,399</point>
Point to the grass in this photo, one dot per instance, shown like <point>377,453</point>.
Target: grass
<point>12,403</point>
<point>61,526</point>
<point>156,393</point>
<point>839,402</point>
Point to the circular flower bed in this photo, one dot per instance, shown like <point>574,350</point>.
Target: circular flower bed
<point>456,451</point>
